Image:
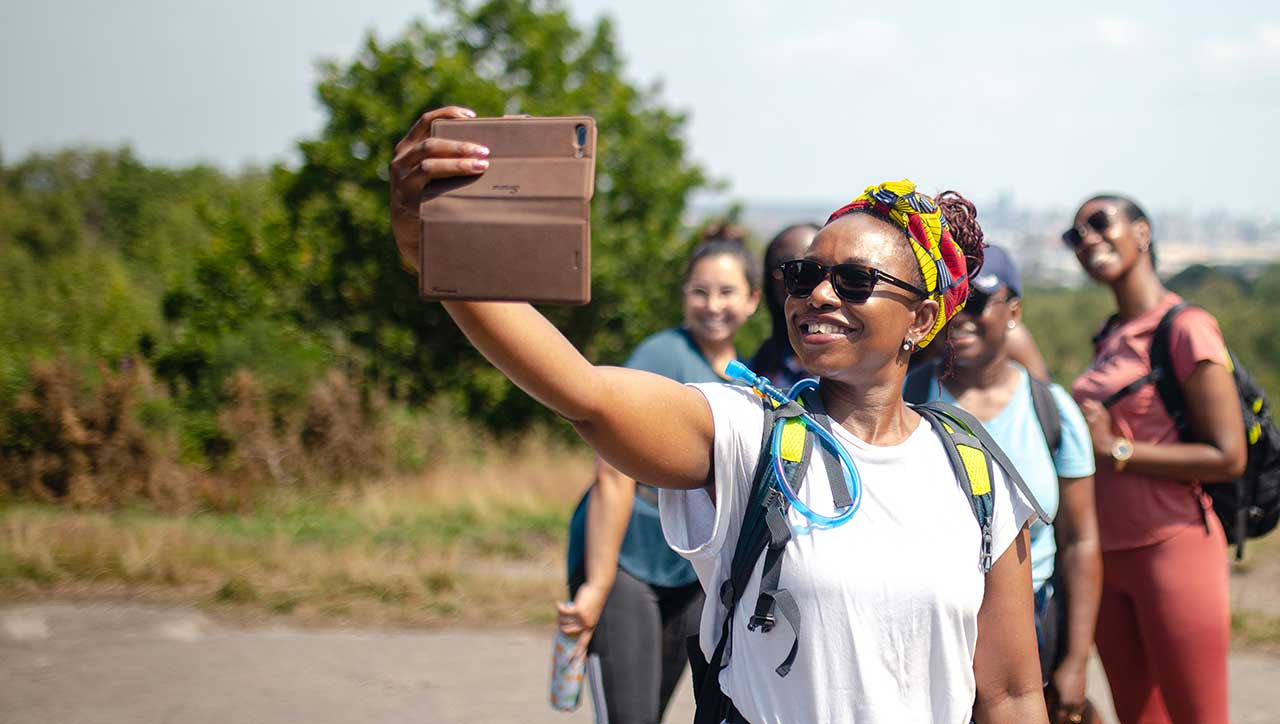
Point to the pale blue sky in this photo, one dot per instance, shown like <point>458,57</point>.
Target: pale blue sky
<point>1176,103</point>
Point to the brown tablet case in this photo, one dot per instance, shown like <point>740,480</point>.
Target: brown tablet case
<point>522,229</point>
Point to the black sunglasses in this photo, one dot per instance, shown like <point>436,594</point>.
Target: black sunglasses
<point>1099,221</point>
<point>851,282</point>
<point>978,302</point>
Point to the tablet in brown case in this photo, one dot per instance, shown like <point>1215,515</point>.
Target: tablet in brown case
<point>522,229</point>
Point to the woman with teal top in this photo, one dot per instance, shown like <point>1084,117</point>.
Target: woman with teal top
<point>635,601</point>
<point>1043,431</point>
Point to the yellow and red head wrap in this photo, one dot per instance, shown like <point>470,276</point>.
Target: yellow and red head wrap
<point>942,261</point>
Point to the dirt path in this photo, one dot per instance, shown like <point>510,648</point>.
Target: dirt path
<point>125,663</point>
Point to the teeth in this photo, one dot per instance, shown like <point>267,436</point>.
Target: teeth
<point>1099,258</point>
<point>820,328</point>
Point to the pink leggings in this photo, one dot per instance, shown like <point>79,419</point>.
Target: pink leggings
<point>1164,629</point>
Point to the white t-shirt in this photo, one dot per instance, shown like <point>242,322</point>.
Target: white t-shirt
<point>888,601</point>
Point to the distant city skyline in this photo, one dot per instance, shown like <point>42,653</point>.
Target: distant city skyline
<point>1173,103</point>
<point>1213,238</point>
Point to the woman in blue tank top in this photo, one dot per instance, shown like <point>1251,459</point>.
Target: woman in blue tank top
<point>1057,463</point>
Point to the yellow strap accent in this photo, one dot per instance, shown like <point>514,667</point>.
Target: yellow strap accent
<point>793,440</point>
<point>1255,432</point>
<point>975,464</point>
<point>1257,405</point>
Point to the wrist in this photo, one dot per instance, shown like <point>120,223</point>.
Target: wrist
<point>1120,450</point>
<point>1073,662</point>
<point>599,584</point>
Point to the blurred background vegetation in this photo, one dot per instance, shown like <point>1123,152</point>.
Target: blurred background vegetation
<point>188,341</point>
<point>186,336</point>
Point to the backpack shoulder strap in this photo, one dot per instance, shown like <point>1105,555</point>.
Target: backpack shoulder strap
<point>1162,374</point>
<point>973,473</point>
<point>1047,413</point>
<point>965,429</point>
<point>752,534</point>
<point>1105,329</point>
<point>797,445</point>
<point>765,528</point>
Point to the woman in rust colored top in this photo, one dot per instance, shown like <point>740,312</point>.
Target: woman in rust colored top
<point>1164,621</point>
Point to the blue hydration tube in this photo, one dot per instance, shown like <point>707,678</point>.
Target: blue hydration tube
<point>739,371</point>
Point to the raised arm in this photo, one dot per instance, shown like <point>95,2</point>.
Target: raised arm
<point>643,424</point>
<point>1005,663</point>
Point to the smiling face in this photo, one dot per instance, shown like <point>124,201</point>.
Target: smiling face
<point>859,343</point>
<point>1109,254</point>
<point>717,299</point>
<point>980,339</point>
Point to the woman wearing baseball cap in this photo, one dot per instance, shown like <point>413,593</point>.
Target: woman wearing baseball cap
<point>1045,434</point>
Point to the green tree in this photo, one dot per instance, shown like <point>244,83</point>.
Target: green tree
<point>498,57</point>
<point>89,241</point>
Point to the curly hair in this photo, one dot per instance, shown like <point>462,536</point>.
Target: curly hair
<point>962,216</point>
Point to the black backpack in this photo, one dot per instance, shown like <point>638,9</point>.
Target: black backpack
<point>1249,506</point>
<point>765,530</point>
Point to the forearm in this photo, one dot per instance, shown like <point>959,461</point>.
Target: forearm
<point>608,514</point>
<point>1179,461</point>
<point>647,426</point>
<point>1006,668</point>
<point>1080,565</point>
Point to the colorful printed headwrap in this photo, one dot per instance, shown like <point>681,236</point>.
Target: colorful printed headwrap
<point>941,260</point>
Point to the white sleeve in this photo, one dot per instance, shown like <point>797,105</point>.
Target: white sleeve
<point>1012,510</point>
<point>694,526</point>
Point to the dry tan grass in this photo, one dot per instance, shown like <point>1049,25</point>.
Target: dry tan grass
<point>479,539</point>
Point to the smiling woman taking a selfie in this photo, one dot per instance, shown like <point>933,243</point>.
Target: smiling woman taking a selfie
<point>910,608</point>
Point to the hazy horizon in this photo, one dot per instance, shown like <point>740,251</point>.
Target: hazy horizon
<point>1172,103</point>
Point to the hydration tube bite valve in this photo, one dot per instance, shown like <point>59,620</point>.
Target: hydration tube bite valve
<point>739,371</point>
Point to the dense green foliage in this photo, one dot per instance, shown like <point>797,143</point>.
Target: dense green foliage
<point>504,56</point>
<point>260,324</point>
<point>89,241</point>
<point>240,294</point>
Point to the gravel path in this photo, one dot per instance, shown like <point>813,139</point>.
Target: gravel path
<point>123,663</point>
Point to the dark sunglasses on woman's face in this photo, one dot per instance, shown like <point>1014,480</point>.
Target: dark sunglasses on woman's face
<point>1099,221</point>
<point>851,282</point>
<point>978,302</point>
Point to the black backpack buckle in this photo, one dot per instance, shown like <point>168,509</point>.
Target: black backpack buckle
<point>762,622</point>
